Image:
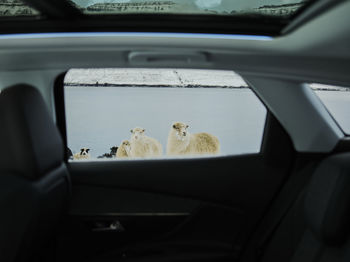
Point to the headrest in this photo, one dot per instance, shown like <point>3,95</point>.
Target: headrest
<point>30,143</point>
<point>327,201</point>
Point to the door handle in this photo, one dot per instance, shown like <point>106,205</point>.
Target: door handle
<point>111,226</point>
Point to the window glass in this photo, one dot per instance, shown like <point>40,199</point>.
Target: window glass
<point>195,7</point>
<point>160,113</point>
<point>337,100</point>
<point>10,8</point>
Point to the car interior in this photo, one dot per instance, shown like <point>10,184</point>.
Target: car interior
<point>288,202</point>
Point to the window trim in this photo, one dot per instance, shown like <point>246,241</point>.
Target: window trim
<point>268,141</point>
<point>60,111</point>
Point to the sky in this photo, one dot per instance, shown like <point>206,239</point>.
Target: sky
<point>217,5</point>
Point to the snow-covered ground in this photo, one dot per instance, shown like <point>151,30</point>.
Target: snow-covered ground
<point>322,87</point>
<point>154,77</point>
<point>223,7</point>
<point>16,8</point>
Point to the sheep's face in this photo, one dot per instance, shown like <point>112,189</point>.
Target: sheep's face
<point>84,151</point>
<point>137,133</point>
<point>180,130</point>
<point>126,145</point>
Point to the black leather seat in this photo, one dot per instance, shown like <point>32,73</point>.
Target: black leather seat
<point>34,182</point>
<point>317,228</point>
<point>327,213</point>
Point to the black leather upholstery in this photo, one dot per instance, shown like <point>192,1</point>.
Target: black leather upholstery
<point>327,202</point>
<point>316,226</point>
<point>34,183</point>
<point>30,142</point>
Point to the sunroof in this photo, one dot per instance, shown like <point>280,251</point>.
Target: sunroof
<point>281,8</point>
<point>16,8</point>
<point>243,17</point>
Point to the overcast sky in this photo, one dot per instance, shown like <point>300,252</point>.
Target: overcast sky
<point>217,5</point>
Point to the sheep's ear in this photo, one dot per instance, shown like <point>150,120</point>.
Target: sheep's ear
<point>186,126</point>
<point>131,131</point>
<point>174,126</point>
<point>143,130</point>
<point>87,150</point>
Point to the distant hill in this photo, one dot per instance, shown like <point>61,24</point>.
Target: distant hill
<point>137,6</point>
<point>154,78</point>
<point>279,10</point>
<point>145,7</point>
<point>16,8</point>
<point>321,87</point>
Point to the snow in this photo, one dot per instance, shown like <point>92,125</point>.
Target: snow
<point>154,77</point>
<point>315,86</point>
<point>16,8</point>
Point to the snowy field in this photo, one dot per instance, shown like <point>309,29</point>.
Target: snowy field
<point>101,117</point>
<point>154,77</point>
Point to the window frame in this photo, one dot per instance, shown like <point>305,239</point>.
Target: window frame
<point>266,146</point>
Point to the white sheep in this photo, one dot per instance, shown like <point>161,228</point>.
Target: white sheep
<point>123,150</point>
<point>144,146</point>
<point>181,142</point>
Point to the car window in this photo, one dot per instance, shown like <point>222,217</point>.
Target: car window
<point>337,101</point>
<point>160,113</point>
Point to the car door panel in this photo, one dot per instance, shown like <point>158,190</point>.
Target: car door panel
<point>206,201</point>
<point>174,205</point>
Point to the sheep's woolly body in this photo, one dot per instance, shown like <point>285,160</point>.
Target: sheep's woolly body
<point>78,156</point>
<point>145,147</point>
<point>123,150</point>
<point>192,144</point>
